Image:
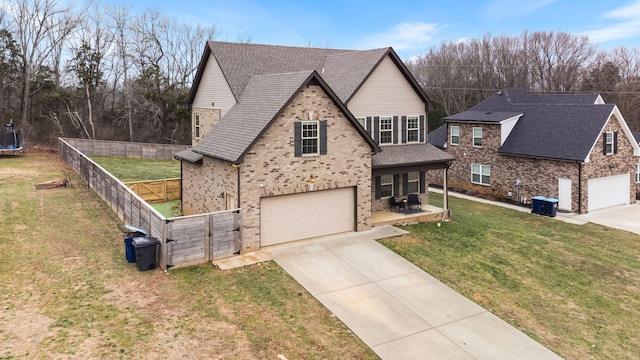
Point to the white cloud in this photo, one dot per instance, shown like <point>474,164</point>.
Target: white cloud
<point>624,23</point>
<point>403,36</point>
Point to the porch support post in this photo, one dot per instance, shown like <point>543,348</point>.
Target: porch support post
<point>445,191</point>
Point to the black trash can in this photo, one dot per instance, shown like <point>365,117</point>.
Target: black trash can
<point>550,207</point>
<point>146,252</point>
<point>129,250</point>
<point>536,203</point>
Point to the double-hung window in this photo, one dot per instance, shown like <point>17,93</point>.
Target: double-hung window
<point>362,122</point>
<point>309,138</point>
<point>413,182</point>
<point>608,143</point>
<point>386,185</point>
<point>455,135</point>
<point>477,137</point>
<point>638,173</point>
<point>480,174</point>
<point>413,129</point>
<point>196,126</point>
<point>386,130</point>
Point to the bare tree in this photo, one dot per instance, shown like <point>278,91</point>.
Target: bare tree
<point>40,27</point>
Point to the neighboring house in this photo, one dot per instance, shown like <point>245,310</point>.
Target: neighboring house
<point>306,142</point>
<point>517,144</point>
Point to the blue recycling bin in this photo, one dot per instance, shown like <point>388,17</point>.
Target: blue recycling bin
<point>129,249</point>
<point>550,207</point>
<point>536,203</point>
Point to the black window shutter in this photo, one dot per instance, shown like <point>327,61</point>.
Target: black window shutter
<point>369,124</point>
<point>396,184</point>
<point>615,142</point>
<point>323,137</point>
<point>423,182</point>
<point>376,129</point>
<point>405,184</point>
<point>604,143</point>
<point>404,129</point>
<point>421,128</point>
<point>378,187</point>
<point>297,139</point>
<point>395,129</point>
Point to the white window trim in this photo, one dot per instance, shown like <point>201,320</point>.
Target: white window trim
<point>380,130</point>
<point>609,142</point>
<point>386,184</point>
<point>458,135</point>
<point>197,126</point>
<point>473,135</point>
<point>363,122</point>
<point>638,172</point>
<point>481,174</point>
<point>317,137</point>
<point>416,129</point>
<point>416,180</point>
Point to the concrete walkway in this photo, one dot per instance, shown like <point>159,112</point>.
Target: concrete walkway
<point>397,309</point>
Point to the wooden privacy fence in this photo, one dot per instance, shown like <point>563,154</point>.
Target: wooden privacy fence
<point>184,241</point>
<point>156,191</point>
<point>125,149</point>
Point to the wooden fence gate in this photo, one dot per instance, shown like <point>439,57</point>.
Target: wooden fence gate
<point>202,238</point>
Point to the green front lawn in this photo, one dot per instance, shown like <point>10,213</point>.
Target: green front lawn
<point>574,288</point>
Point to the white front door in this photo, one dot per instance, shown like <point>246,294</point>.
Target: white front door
<point>564,194</point>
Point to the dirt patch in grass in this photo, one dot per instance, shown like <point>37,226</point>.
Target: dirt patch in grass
<point>66,290</point>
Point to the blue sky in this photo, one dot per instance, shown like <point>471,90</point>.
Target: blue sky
<point>410,27</point>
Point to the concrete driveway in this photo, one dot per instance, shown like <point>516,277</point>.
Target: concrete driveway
<point>397,309</point>
<point>623,217</point>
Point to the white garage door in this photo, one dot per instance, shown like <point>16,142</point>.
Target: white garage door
<point>306,215</point>
<point>608,191</point>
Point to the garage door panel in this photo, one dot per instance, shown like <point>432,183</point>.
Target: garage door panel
<point>306,215</point>
<point>608,191</point>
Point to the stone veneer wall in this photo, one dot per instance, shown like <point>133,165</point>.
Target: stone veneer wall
<point>600,165</point>
<point>205,185</point>
<point>208,118</point>
<point>271,162</point>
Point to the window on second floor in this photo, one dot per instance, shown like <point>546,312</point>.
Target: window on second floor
<point>310,138</point>
<point>477,137</point>
<point>196,126</point>
<point>386,130</point>
<point>455,135</point>
<point>413,129</point>
<point>363,122</point>
<point>480,174</point>
<point>610,143</point>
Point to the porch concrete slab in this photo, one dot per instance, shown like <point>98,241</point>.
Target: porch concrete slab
<point>321,272</point>
<point>425,295</point>
<point>374,261</point>
<point>372,314</point>
<point>485,336</point>
<point>432,345</point>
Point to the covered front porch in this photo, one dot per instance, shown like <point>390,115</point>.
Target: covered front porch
<point>429,213</point>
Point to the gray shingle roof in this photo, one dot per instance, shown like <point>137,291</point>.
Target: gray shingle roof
<point>406,155</point>
<point>188,155</point>
<point>263,98</point>
<point>483,116</point>
<point>439,137</point>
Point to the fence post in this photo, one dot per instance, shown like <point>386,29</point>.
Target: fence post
<point>207,237</point>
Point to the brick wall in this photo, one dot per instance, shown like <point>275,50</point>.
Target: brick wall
<point>205,186</point>
<point>208,118</point>
<point>271,162</point>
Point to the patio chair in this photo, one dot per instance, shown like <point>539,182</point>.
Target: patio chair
<point>395,204</point>
<point>413,200</point>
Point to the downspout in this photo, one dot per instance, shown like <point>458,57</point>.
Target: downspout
<point>580,187</point>
<point>445,191</point>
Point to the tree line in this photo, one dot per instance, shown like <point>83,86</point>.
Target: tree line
<point>458,75</point>
<point>97,71</point>
<point>103,71</point>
